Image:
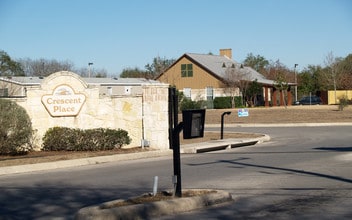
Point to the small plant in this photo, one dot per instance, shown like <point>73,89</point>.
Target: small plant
<point>343,103</point>
<point>15,129</point>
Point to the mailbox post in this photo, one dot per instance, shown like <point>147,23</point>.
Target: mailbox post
<point>193,123</point>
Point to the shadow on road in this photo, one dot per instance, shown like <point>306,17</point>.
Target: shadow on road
<point>340,149</point>
<point>241,165</point>
<point>50,202</point>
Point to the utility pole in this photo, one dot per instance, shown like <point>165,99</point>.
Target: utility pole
<point>89,64</point>
<point>295,82</point>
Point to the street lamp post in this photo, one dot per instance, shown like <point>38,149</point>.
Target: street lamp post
<point>89,64</point>
<point>295,82</point>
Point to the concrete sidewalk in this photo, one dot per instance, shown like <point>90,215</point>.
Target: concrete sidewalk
<point>190,148</point>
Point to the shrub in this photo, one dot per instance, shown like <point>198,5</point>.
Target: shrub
<point>226,102</point>
<point>222,102</point>
<point>343,103</point>
<point>15,129</point>
<point>70,139</point>
<point>60,138</point>
<point>187,103</point>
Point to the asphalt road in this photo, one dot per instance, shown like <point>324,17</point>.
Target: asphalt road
<point>303,172</point>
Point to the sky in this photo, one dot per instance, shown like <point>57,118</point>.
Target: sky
<point>117,34</point>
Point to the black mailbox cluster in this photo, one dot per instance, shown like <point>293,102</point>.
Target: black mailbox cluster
<point>193,123</point>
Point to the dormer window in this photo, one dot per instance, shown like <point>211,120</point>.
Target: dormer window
<point>186,70</point>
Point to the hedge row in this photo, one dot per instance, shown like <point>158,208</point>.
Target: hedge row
<point>226,102</point>
<point>71,139</point>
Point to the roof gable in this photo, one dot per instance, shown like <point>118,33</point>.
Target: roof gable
<point>217,66</point>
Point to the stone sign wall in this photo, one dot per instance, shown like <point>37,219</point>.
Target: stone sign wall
<point>65,99</point>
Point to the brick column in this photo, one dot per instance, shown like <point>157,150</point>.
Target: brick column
<point>266,96</point>
<point>289,98</point>
<point>274,97</point>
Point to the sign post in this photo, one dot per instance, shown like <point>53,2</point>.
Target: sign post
<point>192,126</point>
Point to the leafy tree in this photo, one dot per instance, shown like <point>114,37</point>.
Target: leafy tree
<point>309,80</point>
<point>9,67</point>
<point>133,73</point>
<point>154,69</point>
<point>158,66</point>
<point>258,63</point>
<point>254,89</point>
<point>306,84</point>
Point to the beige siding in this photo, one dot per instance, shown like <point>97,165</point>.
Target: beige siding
<point>200,80</point>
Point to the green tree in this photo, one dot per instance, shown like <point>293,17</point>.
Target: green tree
<point>158,66</point>
<point>254,89</point>
<point>259,63</point>
<point>133,73</point>
<point>9,67</point>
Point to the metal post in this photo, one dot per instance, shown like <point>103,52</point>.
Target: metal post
<point>175,142</point>
<point>222,124</point>
<point>177,158</point>
<point>89,64</point>
<point>295,82</point>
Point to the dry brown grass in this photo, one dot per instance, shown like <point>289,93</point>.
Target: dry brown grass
<point>291,114</point>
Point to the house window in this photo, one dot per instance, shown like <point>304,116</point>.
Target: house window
<point>186,70</point>
<point>187,92</point>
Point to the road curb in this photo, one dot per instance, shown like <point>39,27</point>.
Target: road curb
<point>81,162</point>
<point>191,148</point>
<point>223,144</point>
<point>153,209</point>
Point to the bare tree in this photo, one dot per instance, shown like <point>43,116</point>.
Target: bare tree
<point>281,77</point>
<point>44,67</point>
<point>345,73</point>
<point>330,74</point>
<point>95,73</point>
<point>236,80</point>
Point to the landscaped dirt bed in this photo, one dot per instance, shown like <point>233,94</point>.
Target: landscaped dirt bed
<point>277,115</point>
<point>50,156</point>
